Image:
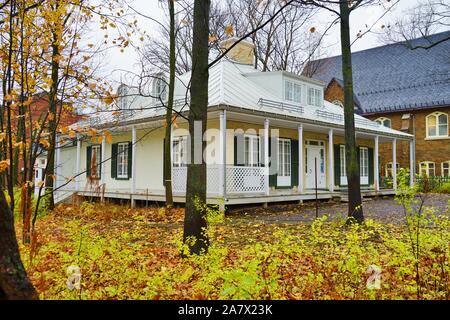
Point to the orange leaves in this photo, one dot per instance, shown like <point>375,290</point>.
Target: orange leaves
<point>108,136</point>
<point>229,30</point>
<point>4,164</point>
<point>44,143</point>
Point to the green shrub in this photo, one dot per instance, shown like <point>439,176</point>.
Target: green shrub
<point>444,188</point>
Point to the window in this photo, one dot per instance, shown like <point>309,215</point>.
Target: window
<point>314,97</point>
<point>95,166</point>
<point>364,165</point>
<point>389,169</point>
<point>384,122</point>
<point>427,168</point>
<point>284,157</point>
<point>293,91</point>
<point>437,125</point>
<point>179,151</point>
<point>251,150</point>
<point>445,169</point>
<point>123,93</point>
<point>122,160</point>
<point>159,89</point>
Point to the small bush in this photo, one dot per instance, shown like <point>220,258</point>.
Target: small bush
<point>444,188</point>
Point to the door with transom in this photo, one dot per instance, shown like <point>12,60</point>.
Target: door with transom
<point>315,161</point>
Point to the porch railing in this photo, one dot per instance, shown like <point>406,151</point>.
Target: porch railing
<point>239,179</point>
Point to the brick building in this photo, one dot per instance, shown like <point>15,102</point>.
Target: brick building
<point>405,89</point>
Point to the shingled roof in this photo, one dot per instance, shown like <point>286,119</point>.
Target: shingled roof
<point>393,77</point>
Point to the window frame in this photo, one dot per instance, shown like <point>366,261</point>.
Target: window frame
<point>436,115</point>
<point>427,168</point>
<point>122,160</point>
<point>179,144</point>
<point>445,169</point>
<point>364,165</point>
<point>382,120</point>
<point>160,88</point>
<point>249,155</point>
<point>295,92</point>
<point>388,169</point>
<point>315,98</point>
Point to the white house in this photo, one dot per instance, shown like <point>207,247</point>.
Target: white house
<point>270,134</point>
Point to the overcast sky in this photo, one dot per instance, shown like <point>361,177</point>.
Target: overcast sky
<point>359,19</point>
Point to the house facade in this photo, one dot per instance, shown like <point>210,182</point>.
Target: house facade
<point>271,136</point>
<point>404,89</point>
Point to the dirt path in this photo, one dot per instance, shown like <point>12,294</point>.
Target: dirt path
<point>385,210</point>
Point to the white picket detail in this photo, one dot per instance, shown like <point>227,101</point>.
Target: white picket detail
<point>245,179</point>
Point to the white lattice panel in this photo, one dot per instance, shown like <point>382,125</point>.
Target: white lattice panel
<point>179,175</point>
<point>245,179</point>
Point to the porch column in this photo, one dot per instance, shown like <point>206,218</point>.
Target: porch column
<point>133,166</point>
<point>330,161</point>
<point>266,156</point>
<point>376,172</point>
<point>412,164</point>
<point>102,164</point>
<point>77,167</point>
<point>300,158</point>
<point>394,163</point>
<point>223,153</point>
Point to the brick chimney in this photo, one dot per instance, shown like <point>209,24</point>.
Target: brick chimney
<point>241,53</point>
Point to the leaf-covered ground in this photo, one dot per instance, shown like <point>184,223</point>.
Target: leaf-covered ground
<point>134,254</point>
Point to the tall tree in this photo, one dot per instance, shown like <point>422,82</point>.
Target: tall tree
<point>195,236</point>
<point>167,145</point>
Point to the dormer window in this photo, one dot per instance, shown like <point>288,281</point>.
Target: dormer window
<point>292,91</point>
<point>384,122</point>
<point>314,97</point>
<point>123,93</point>
<point>159,89</point>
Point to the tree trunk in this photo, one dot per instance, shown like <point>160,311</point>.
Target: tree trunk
<point>14,282</point>
<point>353,176</point>
<point>167,145</point>
<point>53,102</point>
<point>195,236</point>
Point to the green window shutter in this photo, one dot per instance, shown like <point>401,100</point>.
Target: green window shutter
<point>337,165</point>
<point>239,152</point>
<point>114,160</point>
<point>88,161</point>
<point>130,160</point>
<point>273,167</point>
<point>294,163</point>
<point>371,164</point>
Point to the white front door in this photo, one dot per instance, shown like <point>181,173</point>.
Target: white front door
<point>284,163</point>
<point>315,161</point>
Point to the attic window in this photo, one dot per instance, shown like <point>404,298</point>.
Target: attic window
<point>384,122</point>
<point>159,89</point>
<point>292,91</point>
<point>123,93</point>
<point>314,97</point>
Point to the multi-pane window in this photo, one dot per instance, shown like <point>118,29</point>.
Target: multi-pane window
<point>293,91</point>
<point>445,169</point>
<point>122,160</point>
<point>284,157</point>
<point>342,162</point>
<point>314,97</point>
<point>427,168</point>
<point>364,161</point>
<point>95,161</point>
<point>179,151</point>
<point>437,125</point>
<point>384,122</point>
<point>159,89</point>
<point>251,150</point>
<point>389,172</point>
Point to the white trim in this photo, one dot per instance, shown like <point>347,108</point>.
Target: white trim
<point>283,179</point>
<point>330,161</point>
<point>125,157</point>
<point>394,164</point>
<point>300,158</point>
<point>376,169</point>
<point>448,169</point>
<point>364,167</point>
<point>427,167</point>
<point>381,121</point>
<point>436,116</point>
<point>266,156</point>
<point>222,152</point>
<point>252,162</point>
<point>77,166</point>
